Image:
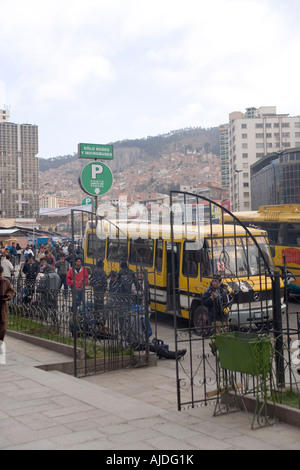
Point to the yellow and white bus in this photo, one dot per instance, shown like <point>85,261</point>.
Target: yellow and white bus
<point>282,222</point>
<point>180,268</point>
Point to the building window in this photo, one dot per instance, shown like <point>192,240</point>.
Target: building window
<point>259,126</point>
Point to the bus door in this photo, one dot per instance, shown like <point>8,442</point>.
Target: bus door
<point>173,301</point>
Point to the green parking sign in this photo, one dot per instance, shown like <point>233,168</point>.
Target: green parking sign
<point>96,178</point>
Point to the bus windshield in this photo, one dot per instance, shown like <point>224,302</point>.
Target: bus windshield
<point>238,256</point>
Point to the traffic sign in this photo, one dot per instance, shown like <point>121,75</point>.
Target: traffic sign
<point>96,178</point>
<point>103,152</point>
<point>87,201</point>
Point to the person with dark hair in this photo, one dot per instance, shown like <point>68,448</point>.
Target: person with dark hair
<point>218,300</point>
<point>6,293</point>
<point>31,270</point>
<point>98,281</point>
<point>81,279</point>
<point>63,267</point>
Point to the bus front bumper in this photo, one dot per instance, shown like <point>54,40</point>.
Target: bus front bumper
<point>253,314</point>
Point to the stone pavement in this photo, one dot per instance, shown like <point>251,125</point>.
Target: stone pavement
<point>122,410</point>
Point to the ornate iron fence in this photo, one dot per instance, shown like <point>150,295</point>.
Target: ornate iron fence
<point>105,329</point>
<point>243,260</point>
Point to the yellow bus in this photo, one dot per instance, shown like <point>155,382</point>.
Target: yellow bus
<point>180,268</point>
<point>282,222</point>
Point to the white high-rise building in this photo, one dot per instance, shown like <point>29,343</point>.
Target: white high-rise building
<point>252,135</point>
<point>19,169</point>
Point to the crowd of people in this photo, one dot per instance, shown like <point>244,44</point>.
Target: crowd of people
<point>49,270</point>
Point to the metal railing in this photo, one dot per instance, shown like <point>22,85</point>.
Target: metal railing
<point>106,330</point>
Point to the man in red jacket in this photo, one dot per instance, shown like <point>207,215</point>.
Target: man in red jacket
<point>81,279</point>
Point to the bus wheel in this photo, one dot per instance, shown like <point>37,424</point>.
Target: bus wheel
<point>201,321</point>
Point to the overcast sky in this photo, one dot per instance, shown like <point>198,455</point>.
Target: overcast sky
<point>98,71</point>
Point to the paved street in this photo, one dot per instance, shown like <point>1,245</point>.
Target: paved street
<point>134,409</point>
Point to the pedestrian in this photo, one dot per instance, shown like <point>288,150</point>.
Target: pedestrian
<point>49,257</point>
<point>31,270</point>
<point>27,251</point>
<point>62,267</point>
<point>98,282</point>
<point>138,289</point>
<point>40,253</point>
<point>13,253</point>
<point>45,268</point>
<point>19,253</point>
<point>218,300</point>
<point>126,278</point>
<point>6,293</point>
<point>81,279</point>
<point>8,268</point>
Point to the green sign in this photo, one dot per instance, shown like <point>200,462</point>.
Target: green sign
<point>87,201</point>
<point>103,152</point>
<point>96,178</point>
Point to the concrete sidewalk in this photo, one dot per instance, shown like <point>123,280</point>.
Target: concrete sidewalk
<point>133,409</point>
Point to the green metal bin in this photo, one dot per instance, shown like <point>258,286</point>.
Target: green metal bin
<point>245,352</point>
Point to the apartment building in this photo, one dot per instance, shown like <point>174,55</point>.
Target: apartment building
<point>251,136</point>
<point>275,179</point>
<point>48,202</point>
<point>19,176</point>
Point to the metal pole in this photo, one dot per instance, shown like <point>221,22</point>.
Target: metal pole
<point>174,300</point>
<point>74,306</point>
<point>278,333</point>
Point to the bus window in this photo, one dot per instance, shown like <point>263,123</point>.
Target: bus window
<point>141,251</point>
<point>293,235</point>
<point>239,256</point>
<point>159,255</point>
<point>117,249</point>
<point>190,260</point>
<point>95,247</point>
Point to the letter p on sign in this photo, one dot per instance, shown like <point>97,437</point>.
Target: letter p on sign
<point>97,169</point>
